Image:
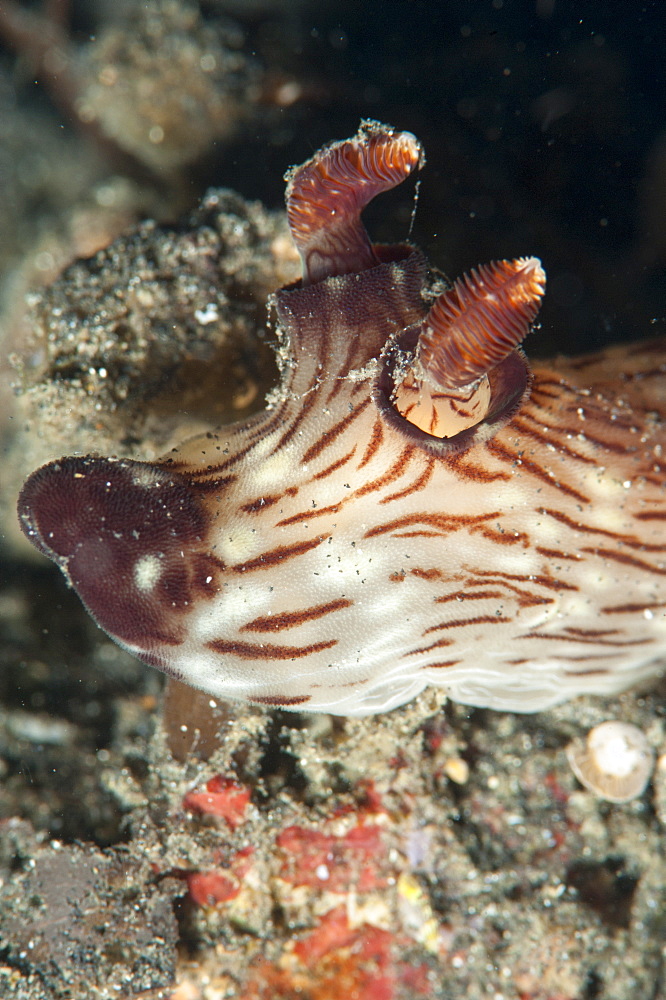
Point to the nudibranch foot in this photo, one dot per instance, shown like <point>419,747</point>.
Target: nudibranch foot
<point>413,507</point>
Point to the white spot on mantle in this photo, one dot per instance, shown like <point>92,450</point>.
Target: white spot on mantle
<point>147,571</point>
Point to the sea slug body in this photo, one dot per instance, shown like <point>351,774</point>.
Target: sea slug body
<point>413,507</point>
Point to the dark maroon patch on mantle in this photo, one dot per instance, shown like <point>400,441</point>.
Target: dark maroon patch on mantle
<point>96,518</point>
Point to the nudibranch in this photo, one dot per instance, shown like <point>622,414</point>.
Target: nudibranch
<point>413,507</point>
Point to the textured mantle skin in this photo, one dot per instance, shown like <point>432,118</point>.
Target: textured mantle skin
<point>330,555</point>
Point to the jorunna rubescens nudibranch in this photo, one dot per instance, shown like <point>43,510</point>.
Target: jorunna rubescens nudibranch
<point>413,506</point>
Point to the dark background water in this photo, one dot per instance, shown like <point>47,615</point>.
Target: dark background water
<point>543,122</point>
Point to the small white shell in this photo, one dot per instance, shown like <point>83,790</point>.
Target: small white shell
<point>615,761</point>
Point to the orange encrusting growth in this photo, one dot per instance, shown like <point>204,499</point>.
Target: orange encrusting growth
<point>326,196</point>
<point>481,319</point>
